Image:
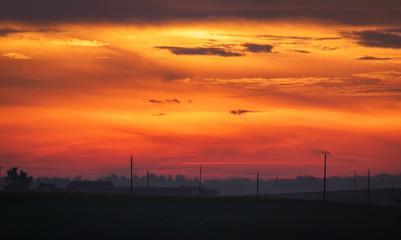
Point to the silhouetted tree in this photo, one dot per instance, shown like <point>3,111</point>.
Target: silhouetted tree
<point>15,181</point>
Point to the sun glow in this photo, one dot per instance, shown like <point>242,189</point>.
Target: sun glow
<point>232,92</point>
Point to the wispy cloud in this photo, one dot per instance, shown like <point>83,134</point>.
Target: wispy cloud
<point>362,83</point>
<point>165,101</point>
<point>226,50</point>
<point>17,56</point>
<point>301,51</point>
<point>379,75</point>
<point>373,58</point>
<point>282,37</point>
<point>261,83</point>
<point>211,51</point>
<point>6,31</point>
<point>241,111</point>
<point>257,48</point>
<point>82,43</point>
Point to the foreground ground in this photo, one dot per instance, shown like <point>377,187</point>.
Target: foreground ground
<point>82,216</point>
<point>375,196</point>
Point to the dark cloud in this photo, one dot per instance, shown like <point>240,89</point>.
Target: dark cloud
<point>240,111</point>
<point>354,12</point>
<point>301,51</point>
<point>377,38</point>
<point>279,37</point>
<point>168,101</point>
<point>49,30</point>
<point>222,50</point>
<point>257,48</point>
<point>6,31</point>
<point>173,101</point>
<point>379,91</point>
<point>329,48</point>
<point>155,101</point>
<point>394,30</point>
<point>213,51</point>
<point>373,58</point>
<point>158,114</point>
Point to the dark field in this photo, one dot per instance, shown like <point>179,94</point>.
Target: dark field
<point>85,216</point>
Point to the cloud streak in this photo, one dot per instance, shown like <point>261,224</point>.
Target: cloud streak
<point>373,58</point>
<point>211,51</point>
<point>15,55</point>
<point>220,51</point>
<point>82,43</point>
<point>241,111</point>
<point>6,31</point>
<point>258,48</point>
<point>166,101</point>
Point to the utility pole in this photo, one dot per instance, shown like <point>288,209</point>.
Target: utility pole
<point>200,180</point>
<point>257,185</point>
<point>131,175</point>
<point>147,180</point>
<point>324,178</point>
<point>369,186</point>
<point>354,180</point>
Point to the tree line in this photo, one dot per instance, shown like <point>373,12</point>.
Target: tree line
<point>227,186</point>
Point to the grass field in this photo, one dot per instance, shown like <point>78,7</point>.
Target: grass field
<point>85,216</point>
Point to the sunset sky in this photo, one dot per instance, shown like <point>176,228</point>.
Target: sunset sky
<point>236,86</point>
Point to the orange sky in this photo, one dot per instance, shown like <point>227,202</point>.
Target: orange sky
<point>236,92</point>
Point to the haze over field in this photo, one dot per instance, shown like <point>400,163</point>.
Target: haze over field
<point>239,85</point>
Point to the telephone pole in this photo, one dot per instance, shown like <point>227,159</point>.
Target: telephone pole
<point>131,175</point>
<point>257,184</point>
<point>324,178</point>
<point>200,180</point>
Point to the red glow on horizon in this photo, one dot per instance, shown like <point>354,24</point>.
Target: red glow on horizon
<point>180,94</point>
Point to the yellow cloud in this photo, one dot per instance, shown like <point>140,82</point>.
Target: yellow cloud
<point>380,75</point>
<point>16,55</point>
<point>260,83</point>
<point>82,43</point>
